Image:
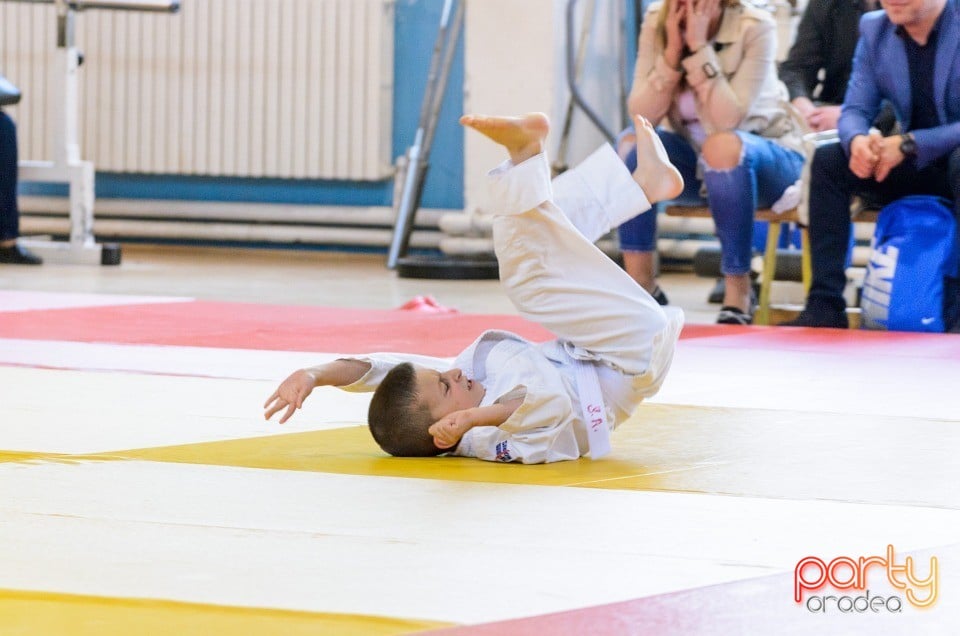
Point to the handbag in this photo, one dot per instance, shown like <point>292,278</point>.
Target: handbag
<point>9,94</point>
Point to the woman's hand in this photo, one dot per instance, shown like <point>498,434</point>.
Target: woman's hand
<point>673,50</point>
<point>701,13</point>
<point>823,118</point>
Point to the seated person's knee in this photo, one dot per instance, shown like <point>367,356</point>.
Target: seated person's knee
<point>721,151</point>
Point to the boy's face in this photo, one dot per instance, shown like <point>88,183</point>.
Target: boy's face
<point>444,393</point>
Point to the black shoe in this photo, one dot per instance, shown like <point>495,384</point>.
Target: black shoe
<point>734,316</point>
<point>824,319</point>
<point>16,255</point>
<point>716,294</point>
<point>659,296</point>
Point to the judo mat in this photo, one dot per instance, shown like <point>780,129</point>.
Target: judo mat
<point>141,491</point>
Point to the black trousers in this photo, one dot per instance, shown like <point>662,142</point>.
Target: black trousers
<point>832,187</point>
<point>9,214</point>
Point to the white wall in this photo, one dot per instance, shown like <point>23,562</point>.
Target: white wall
<point>515,63</point>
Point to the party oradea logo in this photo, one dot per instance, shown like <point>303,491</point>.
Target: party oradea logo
<point>814,579</point>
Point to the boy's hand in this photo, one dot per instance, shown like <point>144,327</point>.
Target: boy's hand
<point>448,430</point>
<point>290,394</point>
<point>294,390</point>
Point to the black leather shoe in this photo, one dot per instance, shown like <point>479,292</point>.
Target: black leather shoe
<point>659,296</point>
<point>16,255</point>
<point>819,319</point>
<point>716,294</point>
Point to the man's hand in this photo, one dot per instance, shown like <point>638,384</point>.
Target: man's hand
<point>890,156</point>
<point>448,430</point>
<point>290,394</point>
<point>864,154</point>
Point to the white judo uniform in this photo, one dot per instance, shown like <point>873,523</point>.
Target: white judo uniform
<point>543,235</point>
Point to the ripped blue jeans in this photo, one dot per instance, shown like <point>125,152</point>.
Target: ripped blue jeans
<point>766,169</point>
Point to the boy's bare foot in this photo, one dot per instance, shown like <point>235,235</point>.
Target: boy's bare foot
<point>522,136</point>
<point>655,174</point>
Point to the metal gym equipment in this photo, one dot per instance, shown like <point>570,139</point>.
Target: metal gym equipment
<point>574,66</point>
<point>412,169</point>
<point>66,166</point>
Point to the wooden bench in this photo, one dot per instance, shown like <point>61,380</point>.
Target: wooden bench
<point>762,315</point>
<point>766,215</point>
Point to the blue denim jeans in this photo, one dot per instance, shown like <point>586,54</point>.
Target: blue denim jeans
<point>9,215</point>
<point>765,170</point>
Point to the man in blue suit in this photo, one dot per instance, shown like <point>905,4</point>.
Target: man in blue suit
<point>908,55</point>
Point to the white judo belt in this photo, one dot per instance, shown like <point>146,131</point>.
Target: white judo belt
<point>594,413</point>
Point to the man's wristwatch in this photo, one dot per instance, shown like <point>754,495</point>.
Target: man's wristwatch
<point>908,146</point>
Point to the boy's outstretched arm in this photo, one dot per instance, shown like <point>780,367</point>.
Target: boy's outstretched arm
<point>449,429</point>
<point>294,390</point>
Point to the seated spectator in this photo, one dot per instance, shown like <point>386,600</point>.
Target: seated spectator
<point>825,42</point>
<point>10,251</point>
<point>908,56</point>
<point>708,68</point>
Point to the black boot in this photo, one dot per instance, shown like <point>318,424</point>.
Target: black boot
<point>16,255</point>
<point>820,314</point>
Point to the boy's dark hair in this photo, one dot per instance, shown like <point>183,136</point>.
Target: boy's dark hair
<point>398,419</point>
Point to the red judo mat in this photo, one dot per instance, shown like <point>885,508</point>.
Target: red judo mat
<point>264,327</point>
<point>339,330</point>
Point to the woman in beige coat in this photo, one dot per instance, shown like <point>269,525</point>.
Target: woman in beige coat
<point>706,72</point>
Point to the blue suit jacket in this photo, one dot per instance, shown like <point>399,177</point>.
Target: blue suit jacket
<point>881,72</point>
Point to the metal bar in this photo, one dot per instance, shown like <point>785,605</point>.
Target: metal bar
<point>414,173</point>
<point>622,64</point>
<point>161,6</point>
<point>572,80</point>
<point>440,82</point>
<point>560,164</point>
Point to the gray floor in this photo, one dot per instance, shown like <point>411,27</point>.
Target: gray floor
<point>299,277</point>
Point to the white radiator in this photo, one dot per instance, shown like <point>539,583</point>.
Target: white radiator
<point>250,88</point>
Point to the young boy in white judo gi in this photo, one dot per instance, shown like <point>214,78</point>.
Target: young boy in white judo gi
<point>504,398</point>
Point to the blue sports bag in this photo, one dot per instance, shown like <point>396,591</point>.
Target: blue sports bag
<point>911,277</point>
